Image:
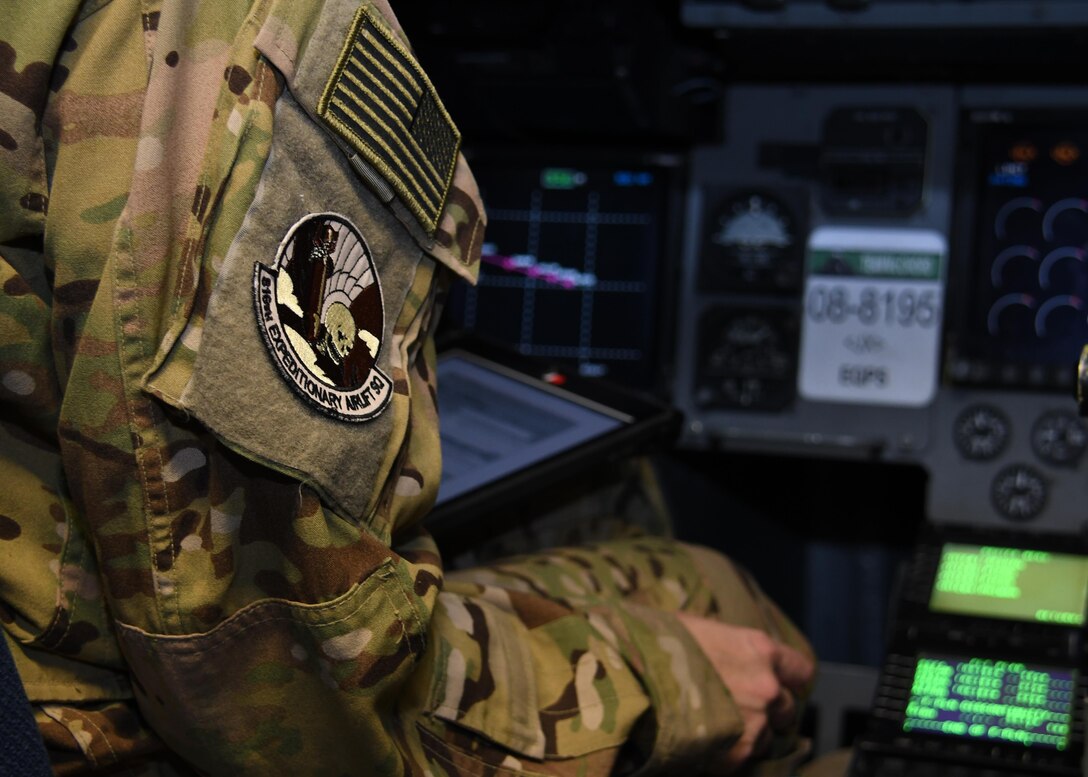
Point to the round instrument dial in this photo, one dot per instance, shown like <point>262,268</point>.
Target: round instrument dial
<point>981,432</point>
<point>1059,438</point>
<point>1019,493</point>
<point>746,359</point>
<point>750,242</point>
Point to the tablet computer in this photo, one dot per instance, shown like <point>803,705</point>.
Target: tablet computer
<point>510,427</point>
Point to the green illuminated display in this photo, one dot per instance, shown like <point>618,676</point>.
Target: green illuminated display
<point>562,178</point>
<point>1027,585</point>
<point>1002,701</point>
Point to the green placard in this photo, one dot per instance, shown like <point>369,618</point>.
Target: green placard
<point>891,265</point>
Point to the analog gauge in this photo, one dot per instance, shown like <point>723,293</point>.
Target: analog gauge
<point>754,227</point>
<point>981,432</point>
<point>749,354</point>
<point>750,242</point>
<point>746,361</point>
<point>1019,493</point>
<point>1059,438</point>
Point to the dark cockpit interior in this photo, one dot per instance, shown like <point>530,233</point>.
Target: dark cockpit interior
<point>845,243</point>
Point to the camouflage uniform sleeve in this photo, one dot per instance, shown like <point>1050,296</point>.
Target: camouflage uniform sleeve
<point>225,227</point>
<point>608,609</point>
<point>29,46</point>
<point>51,609</point>
<point>182,529</point>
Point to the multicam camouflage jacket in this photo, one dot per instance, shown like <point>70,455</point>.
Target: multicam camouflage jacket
<point>223,229</point>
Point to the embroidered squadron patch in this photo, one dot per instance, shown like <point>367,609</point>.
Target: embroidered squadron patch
<point>380,101</point>
<point>319,309</point>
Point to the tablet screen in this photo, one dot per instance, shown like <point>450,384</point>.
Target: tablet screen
<point>495,422</point>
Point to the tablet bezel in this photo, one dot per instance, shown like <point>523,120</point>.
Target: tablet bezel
<point>646,423</point>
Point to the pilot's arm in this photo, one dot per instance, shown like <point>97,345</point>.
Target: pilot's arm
<point>210,557</point>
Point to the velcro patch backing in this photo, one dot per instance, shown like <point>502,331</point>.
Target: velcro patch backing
<point>379,100</point>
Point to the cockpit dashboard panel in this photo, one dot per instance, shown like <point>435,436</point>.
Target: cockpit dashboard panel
<point>895,273</point>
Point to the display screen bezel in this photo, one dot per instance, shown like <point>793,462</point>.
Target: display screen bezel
<point>972,358</point>
<point>668,167</point>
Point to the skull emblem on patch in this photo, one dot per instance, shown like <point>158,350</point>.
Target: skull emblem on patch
<point>320,311</point>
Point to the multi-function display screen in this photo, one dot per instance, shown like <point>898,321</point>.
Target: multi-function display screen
<point>1012,583</point>
<point>570,268</point>
<point>993,700</point>
<point>1027,307</point>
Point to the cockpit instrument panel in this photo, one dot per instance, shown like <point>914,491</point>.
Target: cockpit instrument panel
<point>985,669</point>
<point>895,273</point>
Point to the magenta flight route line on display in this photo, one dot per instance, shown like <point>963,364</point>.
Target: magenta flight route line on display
<point>548,272</point>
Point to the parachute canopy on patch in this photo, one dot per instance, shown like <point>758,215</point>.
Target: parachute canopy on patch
<point>379,100</point>
<point>321,315</point>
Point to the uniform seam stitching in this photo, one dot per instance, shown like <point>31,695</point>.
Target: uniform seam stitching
<point>225,636</point>
<point>190,249</point>
<point>130,405</point>
<point>90,722</point>
<point>288,57</point>
<point>60,589</point>
<point>416,642</point>
<point>205,197</point>
<point>143,446</point>
<point>145,22</point>
<point>59,720</point>
<point>188,257</point>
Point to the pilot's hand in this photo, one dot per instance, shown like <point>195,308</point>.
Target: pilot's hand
<point>763,675</point>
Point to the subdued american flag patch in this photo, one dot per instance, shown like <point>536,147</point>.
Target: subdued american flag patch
<point>379,101</point>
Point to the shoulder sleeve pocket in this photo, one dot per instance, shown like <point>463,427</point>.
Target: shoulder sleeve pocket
<point>355,75</point>
<point>302,360</point>
<point>281,687</point>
